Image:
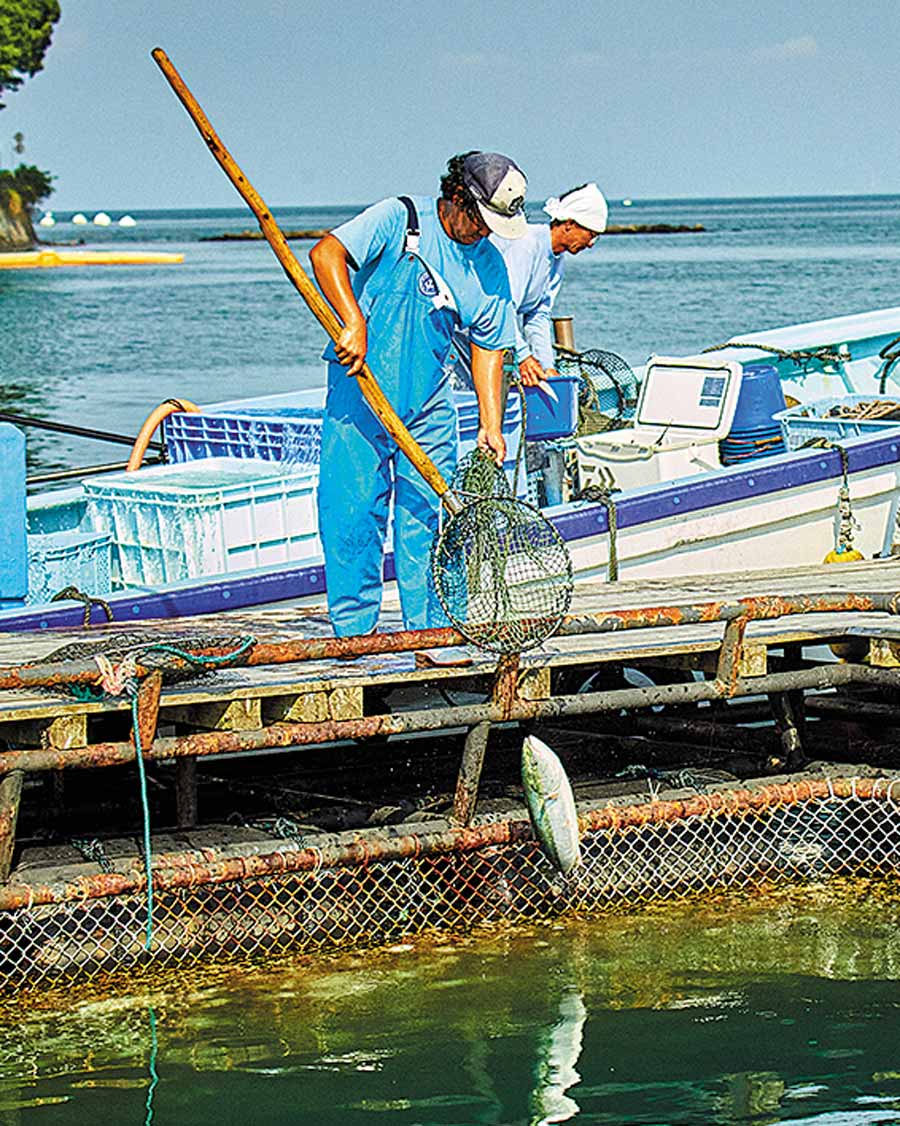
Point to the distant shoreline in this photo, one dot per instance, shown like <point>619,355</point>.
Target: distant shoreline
<point>613,229</point>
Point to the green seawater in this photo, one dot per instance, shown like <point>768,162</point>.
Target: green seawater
<point>783,1008</point>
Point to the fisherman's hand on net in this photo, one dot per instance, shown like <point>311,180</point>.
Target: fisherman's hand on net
<point>351,345</point>
<point>530,372</point>
<point>492,442</point>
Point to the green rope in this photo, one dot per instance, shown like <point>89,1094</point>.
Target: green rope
<point>154,1074</point>
<point>194,659</point>
<point>132,690</point>
<point>145,806</point>
<point>86,693</point>
<point>890,353</point>
<point>602,494</point>
<point>198,658</point>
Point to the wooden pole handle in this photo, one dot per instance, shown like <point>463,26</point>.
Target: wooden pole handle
<point>322,311</point>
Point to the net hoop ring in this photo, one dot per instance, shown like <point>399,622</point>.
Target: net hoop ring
<point>519,566</point>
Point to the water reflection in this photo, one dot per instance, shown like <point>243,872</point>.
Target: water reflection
<point>726,1011</point>
<point>557,1056</point>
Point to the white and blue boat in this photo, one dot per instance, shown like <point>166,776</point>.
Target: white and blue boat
<point>231,523</point>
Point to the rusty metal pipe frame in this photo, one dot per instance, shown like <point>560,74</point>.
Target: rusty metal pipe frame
<point>763,607</point>
<point>438,719</point>
<point>191,872</point>
<point>177,871</point>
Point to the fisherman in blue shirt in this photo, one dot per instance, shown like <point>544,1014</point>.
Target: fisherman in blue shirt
<point>422,267</point>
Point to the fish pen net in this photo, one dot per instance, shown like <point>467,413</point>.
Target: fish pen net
<point>319,893</point>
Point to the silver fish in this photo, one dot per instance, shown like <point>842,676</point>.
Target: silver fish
<point>551,804</point>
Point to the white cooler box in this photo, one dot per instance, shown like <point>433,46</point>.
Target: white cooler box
<point>685,406</point>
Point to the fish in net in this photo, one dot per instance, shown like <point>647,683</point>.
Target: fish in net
<point>607,388</point>
<point>501,571</point>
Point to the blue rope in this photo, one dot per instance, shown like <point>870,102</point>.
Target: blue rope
<point>145,805</point>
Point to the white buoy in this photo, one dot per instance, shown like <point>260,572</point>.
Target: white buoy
<point>101,219</point>
<point>47,220</point>
<point>626,203</point>
<point>127,221</point>
<point>79,219</point>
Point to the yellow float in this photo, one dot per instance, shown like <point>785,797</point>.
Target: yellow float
<point>33,259</point>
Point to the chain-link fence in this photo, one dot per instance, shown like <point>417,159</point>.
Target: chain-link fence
<point>734,838</point>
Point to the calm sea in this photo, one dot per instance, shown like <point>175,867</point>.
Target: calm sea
<point>102,346</point>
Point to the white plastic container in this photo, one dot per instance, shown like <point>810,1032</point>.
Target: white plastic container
<point>205,517</point>
<point>685,407</point>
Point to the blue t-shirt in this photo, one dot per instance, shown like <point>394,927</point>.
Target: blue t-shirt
<point>408,330</point>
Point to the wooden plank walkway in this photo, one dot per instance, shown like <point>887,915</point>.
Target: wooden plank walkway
<point>242,698</point>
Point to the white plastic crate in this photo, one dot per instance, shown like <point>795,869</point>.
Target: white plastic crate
<point>205,517</point>
<point>807,421</point>
<point>68,558</point>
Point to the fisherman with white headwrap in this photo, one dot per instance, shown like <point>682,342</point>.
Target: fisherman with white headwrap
<point>534,264</point>
<point>535,267</point>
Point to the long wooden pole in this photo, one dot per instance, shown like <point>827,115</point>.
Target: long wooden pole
<point>322,311</point>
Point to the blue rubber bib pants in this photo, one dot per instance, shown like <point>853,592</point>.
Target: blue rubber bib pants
<point>361,468</point>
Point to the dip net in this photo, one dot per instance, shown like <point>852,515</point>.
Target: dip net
<point>501,571</point>
<point>607,388</point>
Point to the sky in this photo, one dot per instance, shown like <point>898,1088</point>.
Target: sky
<point>344,102</point>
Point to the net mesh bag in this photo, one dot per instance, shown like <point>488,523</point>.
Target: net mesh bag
<point>501,571</point>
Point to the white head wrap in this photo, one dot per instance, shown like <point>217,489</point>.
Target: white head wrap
<point>585,206</point>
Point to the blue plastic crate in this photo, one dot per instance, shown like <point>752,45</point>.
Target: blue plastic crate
<point>207,517</point>
<point>802,423</point>
<point>294,439</point>
<point>547,418</point>
<point>69,558</point>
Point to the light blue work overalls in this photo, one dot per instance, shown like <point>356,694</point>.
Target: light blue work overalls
<point>409,324</point>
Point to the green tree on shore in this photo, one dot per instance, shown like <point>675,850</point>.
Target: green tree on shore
<point>30,183</point>
<point>26,28</point>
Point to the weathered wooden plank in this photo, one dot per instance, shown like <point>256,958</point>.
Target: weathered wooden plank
<point>884,653</point>
<point>10,798</point>
<point>221,715</point>
<point>534,683</point>
<point>341,702</point>
<point>753,660</point>
<point>60,732</point>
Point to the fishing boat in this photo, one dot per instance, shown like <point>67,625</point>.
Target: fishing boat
<point>232,522</point>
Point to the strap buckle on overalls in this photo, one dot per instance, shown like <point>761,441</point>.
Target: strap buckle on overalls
<point>413,233</point>
<point>444,298</point>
